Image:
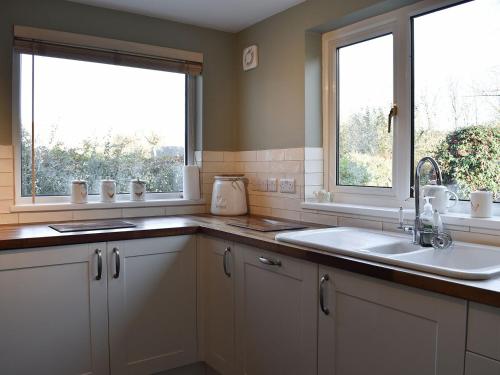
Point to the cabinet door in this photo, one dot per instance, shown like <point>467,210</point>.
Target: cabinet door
<point>276,299</point>
<point>369,326</point>
<point>152,304</point>
<point>53,311</point>
<point>217,294</point>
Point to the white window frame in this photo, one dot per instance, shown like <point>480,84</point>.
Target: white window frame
<point>397,22</point>
<point>102,43</point>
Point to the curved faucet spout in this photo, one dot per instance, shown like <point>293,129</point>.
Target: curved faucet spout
<point>439,181</point>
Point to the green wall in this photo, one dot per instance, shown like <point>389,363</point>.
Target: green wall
<point>217,47</point>
<point>276,105</point>
<point>273,110</point>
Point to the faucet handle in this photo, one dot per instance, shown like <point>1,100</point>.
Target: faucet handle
<point>401,217</point>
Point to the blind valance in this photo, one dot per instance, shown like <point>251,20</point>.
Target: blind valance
<point>51,49</point>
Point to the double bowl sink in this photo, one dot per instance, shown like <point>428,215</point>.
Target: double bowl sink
<point>461,260</point>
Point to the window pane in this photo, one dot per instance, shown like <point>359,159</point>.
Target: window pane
<point>457,94</point>
<point>94,121</point>
<point>365,96</point>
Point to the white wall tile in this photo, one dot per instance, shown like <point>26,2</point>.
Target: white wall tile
<point>294,153</point>
<point>97,214</point>
<point>245,156</point>
<point>213,156</point>
<point>309,217</point>
<point>360,223</point>
<point>228,156</point>
<point>6,152</point>
<point>262,211</point>
<point>313,153</point>
<point>314,179</point>
<point>45,217</point>
<point>313,166</point>
<point>285,214</point>
<point>6,165</point>
<point>9,219</point>
<point>7,179</point>
<point>143,212</point>
<point>6,192</point>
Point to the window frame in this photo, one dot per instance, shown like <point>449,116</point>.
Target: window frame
<point>400,22</point>
<point>191,106</point>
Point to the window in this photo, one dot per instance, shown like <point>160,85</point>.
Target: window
<point>365,91</point>
<point>432,70</point>
<point>456,110</point>
<point>81,118</point>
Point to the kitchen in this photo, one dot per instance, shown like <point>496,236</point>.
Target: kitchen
<point>271,216</point>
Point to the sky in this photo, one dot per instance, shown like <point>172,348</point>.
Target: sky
<point>85,100</point>
<point>456,50</point>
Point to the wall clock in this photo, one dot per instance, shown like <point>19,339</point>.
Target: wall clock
<point>250,57</point>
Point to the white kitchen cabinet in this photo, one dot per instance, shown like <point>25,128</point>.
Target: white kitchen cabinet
<point>483,330</point>
<point>53,311</point>
<point>369,326</point>
<point>152,304</point>
<point>276,313</point>
<point>476,364</point>
<point>216,286</point>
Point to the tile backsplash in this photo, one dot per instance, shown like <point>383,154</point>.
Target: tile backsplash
<point>303,164</point>
<point>306,166</point>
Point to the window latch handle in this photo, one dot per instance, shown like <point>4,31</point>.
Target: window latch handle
<point>392,113</point>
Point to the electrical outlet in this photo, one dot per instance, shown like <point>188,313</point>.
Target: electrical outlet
<point>272,184</point>
<point>287,185</point>
<point>262,184</point>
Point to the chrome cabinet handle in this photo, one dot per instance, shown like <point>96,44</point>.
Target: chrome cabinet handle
<point>117,263</point>
<point>269,261</point>
<point>99,264</point>
<point>325,309</point>
<point>227,252</point>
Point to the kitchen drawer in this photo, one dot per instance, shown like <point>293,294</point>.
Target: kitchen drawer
<point>483,330</point>
<point>476,364</point>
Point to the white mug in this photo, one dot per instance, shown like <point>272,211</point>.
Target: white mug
<point>78,191</point>
<point>441,200</point>
<point>108,190</point>
<point>481,203</point>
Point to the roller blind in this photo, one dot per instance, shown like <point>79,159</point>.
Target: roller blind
<point>50,49</point>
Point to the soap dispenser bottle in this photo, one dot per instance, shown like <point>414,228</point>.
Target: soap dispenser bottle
<point>427,223</point>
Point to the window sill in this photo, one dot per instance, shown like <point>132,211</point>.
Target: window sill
<point>67,206</point>
<point>450,218</point>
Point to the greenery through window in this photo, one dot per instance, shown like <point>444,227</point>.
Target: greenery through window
<point>93,121</point>
<point>457,94</point>
<point>365,95</point>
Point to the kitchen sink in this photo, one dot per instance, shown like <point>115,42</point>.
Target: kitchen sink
<point>462,260</point>
<point>350,240</point>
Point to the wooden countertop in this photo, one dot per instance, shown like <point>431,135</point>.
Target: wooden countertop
<point>39,235</point>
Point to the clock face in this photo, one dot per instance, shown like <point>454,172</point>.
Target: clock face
<point>250,57</point>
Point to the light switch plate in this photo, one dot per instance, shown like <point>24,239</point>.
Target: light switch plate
<point>272,184</point>
<point>287,185</point>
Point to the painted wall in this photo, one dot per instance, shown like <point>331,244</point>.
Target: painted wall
<point>217,47</point>
<point>272,109</point>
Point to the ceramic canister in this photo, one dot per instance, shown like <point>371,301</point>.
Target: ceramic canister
<point>108,190</point>
<point>78,191</point>
<point>137,190</point>
<point>481,203</point>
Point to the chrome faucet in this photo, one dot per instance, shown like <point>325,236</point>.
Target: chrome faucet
<point>418,235</point>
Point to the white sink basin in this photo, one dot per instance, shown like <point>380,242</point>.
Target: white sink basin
<point>350,240</point>
<point>464,261</point>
